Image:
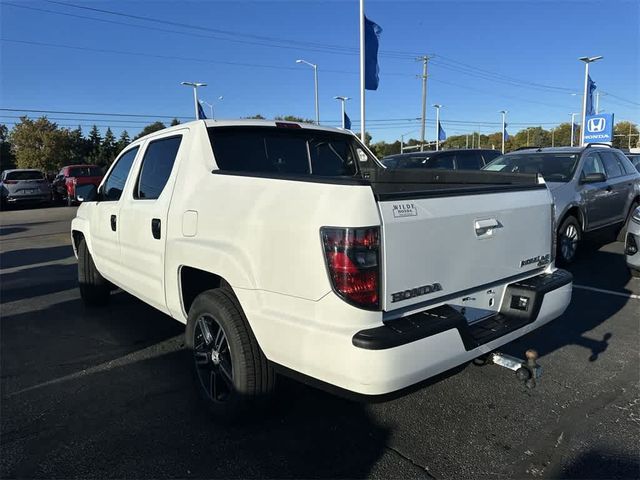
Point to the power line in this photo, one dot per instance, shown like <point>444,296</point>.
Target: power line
<point>61,112</point>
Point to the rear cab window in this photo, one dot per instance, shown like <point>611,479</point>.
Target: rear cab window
<point>290,151</point>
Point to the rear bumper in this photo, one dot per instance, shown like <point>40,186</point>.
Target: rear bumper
<point>521,306</point>
<point>40,197</point>
<point>322,343</point>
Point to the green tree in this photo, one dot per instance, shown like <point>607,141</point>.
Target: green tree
<point>123,141</point>
<point>78,146</point>
<point>175,122</point>
<point>6,156</point>
<point>40,144</point>
<point>625,135</point>
<point>107,148</point>
<point>152,127</point>
<point>293,118</point>
<point>93,146</point>
<point>257,116</point>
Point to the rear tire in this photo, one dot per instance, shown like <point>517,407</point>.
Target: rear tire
<point>95,290</point>
<point>620,237</point>
<point>232,375</point>
<point>569,237</point>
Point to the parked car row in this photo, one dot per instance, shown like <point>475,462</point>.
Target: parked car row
<point>593,187</point>
<point>31,186</point>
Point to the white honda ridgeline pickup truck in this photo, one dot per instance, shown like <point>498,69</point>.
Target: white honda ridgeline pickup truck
<point>289,248</point>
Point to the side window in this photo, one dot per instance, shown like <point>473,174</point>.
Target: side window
<point>468,160</point>
<point>592,164</point>
<point>611,165</point>
<point>627,166</point>
<point>444,160</point>
<point>114,184</point>
<point>157,164</point>
<point>488,156</point>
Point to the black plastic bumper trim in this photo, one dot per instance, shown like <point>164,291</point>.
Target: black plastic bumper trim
<point>395,333</point>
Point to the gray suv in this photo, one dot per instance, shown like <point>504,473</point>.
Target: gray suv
<point>593,187</point>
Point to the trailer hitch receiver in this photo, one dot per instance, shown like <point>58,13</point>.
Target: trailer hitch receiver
<point>527,371</point>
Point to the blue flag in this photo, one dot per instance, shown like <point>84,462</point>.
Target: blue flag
<point>441,133</point>
<point>201,115</point>
<point>372,33</point>
<point>347,121</point>
<point>506,135</point>
<point>591,86</point>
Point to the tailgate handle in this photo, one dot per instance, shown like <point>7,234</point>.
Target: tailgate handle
<point>484,228</point>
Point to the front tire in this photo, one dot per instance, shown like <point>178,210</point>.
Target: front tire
<point>232,375</point>
<point>95,290</point>
<point>569,237</point>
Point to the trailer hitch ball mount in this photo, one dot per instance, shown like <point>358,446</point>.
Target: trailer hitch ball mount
<point>527,371</point>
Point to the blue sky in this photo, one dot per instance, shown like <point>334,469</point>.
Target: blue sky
<point>487,56</point>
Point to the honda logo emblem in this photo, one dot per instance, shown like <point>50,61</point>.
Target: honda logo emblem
<point>597,124</point>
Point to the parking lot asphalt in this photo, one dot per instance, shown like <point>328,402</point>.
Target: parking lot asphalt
<point>107,393</point>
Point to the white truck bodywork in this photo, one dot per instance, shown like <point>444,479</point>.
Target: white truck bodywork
<point>261,235</point>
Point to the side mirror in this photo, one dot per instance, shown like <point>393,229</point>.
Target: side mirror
<point>86,193</point>
<point>593,178</point>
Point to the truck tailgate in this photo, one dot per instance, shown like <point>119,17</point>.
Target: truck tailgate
<point>438,245</point>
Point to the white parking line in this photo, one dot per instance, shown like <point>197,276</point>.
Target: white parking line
<point>610,292</point>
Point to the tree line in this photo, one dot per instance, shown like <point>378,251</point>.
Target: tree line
<point>42,144</point>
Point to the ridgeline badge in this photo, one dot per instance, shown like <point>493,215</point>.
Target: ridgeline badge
<point>404,210</point>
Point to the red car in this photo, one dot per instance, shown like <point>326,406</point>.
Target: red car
<point>64,185</point>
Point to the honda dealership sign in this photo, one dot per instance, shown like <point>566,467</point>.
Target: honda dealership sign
<point>599,128</point>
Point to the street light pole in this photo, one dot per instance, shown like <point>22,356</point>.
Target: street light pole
<point>437,107</point>
<point>504,118</point>
<point>342,101</point>
<point>553,137</point>
<point>210,105</point>
<point>195,86</point>
<point>587,61</point>
<point>315,81</point>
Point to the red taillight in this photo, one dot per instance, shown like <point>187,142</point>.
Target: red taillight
<point>352,256</point>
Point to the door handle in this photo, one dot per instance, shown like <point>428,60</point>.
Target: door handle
<point>155,228</point>
<point>113,223</point>
<point>485,227</point>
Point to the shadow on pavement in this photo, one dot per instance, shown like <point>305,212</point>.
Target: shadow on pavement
<point>30,256</point>
<point>143,419</point>
<point>601,464</point>
<point>36,281</point>
<point>11,230</point>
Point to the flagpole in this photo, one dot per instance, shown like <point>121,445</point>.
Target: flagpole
<point>437,107</point>
<point>362,66</point>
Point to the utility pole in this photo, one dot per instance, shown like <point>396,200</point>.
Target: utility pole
<point>342,101</point>
<point>425,60</point>
<point>553,137</point>
<point>467,143</point>
<point>195,86</point>
<point>478,139</point>
<point>587,61</point>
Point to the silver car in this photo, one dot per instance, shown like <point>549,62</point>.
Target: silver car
<point>593,187</point>
<point>24,186</point>
<point>632,244</point>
